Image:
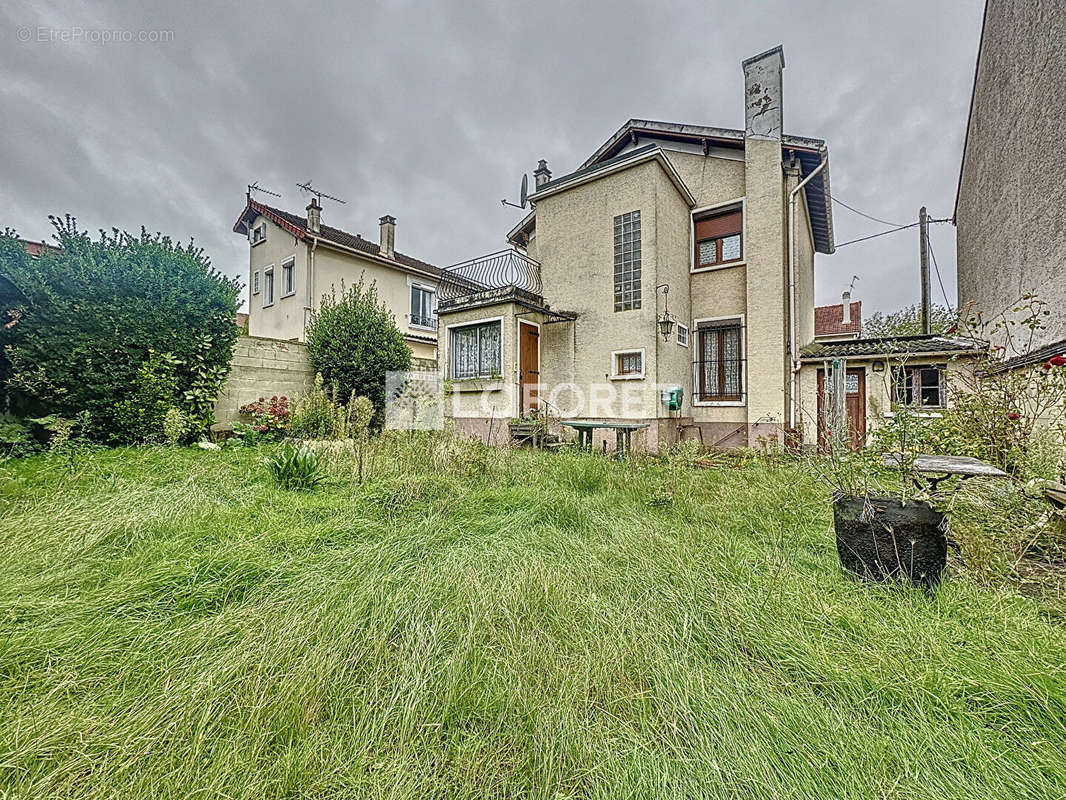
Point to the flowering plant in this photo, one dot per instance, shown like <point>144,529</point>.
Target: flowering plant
<point>269,418</point>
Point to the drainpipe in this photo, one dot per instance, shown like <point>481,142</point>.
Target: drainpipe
<point>310,282</point>
<point>794,371</point>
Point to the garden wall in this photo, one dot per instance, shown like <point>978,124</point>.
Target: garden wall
<point>264,367</point>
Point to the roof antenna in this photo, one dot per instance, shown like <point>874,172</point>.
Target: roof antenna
<point>307,187</point>
<point>523,195</point>
<point>851,288</point>
<point>255,187</point>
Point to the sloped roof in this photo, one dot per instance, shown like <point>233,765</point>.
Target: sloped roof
<point>297,226</point>
<point>892,346</point>
<point>829,320</point>
<point>1036,357</point>
<point>631,157</point>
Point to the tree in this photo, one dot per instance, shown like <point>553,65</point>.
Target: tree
<point>122,327</point>
<point>907,322</point>
<point>352,341</point>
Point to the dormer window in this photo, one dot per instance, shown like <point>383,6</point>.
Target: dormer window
<point>719,239</point>
<point>258,233</point>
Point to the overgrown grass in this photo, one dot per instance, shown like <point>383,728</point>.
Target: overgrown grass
<point>478,623</point>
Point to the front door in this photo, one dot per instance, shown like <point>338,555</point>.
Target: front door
<point>528,366</point>
<point>855,405</point>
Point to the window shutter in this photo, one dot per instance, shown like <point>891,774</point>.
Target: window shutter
<point>721,225</point>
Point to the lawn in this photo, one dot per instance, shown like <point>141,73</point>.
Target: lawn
<point>487,624</point>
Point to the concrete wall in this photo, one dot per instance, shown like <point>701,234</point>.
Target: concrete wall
<point>1011,212</point>
<point>263,368</point>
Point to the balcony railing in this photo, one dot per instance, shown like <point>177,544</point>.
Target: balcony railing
<point>718,381</point>
<point>424,322</point>
<point>507,269</point>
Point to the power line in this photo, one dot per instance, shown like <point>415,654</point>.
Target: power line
<point>885,233</point>
<point>940,280</point>
<point>861,213</point>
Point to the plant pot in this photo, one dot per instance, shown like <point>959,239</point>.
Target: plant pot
<point>881,539</point>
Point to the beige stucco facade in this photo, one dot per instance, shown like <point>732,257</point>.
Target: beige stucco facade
<point>1011,207</point>
<point>321,268</point>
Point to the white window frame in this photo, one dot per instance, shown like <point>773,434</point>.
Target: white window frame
<point>616,376</point>
<point>425,287</point>
<point>255,282</point>
<point>685,328</point>
<point>704,210</point>
<point>743,363</point>
<point>469,324</point>
<point>268,301</point>
<point>252,239</point>
<point>288,265</point>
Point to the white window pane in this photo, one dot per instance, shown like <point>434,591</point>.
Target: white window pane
<point>730,248</point>
<point>708,252</point>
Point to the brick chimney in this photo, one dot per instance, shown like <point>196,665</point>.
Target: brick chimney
<point>314,216</point>
<point>541,175</point>
<point>388,236</point>
<point>846,300</point>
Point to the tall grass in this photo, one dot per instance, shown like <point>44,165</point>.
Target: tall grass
<point>477,623</point>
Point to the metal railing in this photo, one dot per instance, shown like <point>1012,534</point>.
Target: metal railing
<point>718,380</point>
<point>503,270</point>
<point>424,322</point>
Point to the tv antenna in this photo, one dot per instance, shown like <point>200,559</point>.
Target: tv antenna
<point>523,196</point>
<point>255,187</point>
<point>307,187</point>
<point>852,287</point>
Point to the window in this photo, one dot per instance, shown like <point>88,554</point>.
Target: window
<point>476,350</point>
<point>719,239</point>
<point>258,233</point>
<point>682,335</point>
<point>423,307</point>
<point>919,386</point>
<point>288,285</point>
<point>627,261</point>
<point>720,362</point>
<point>255,282</point>
<point>268,286</point>
<point>628,364</point>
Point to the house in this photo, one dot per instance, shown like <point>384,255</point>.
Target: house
<point>295,260</point>
<point>676,256</point>
<point>880,376</point>
<point>840,322</point>
<point>1010,208</point>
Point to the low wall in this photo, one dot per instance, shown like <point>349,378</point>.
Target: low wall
<point>264,367</point>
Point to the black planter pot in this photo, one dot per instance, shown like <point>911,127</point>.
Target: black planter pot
<point>881,539</point>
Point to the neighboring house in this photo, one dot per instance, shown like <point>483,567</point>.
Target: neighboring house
<point>879,375</point>
<point>714,228</point>
<point>294,261</point>
<point>1010,210</point>
<point>36,248</point>
<point>840,322</point>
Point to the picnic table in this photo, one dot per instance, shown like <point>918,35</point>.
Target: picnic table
<point>936,469</point>
<point>623,433</point>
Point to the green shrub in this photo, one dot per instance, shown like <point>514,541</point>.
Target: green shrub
<point>112,326</point>
<point>175,426</point>
<point>296,467</point>
<point>353,341</point>
<point>317,415</point>
<point>16,437</point>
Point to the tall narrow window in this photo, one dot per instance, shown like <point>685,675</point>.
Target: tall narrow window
<point>423,307</point>
<point>719,239</point>
<point>268,286</point>
<point>720,364</point>
<point>627,261</point>
<point>476,350</point>
<point>288,280</point>
<point>255,282</point>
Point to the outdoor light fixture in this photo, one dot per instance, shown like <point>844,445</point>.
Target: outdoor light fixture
<point>666,322</point>
<point>879,366</point>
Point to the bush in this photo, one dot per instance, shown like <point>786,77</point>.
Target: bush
<point>353,341</point>
<point>296,467</point>
<point>317,415</point>
<point>122,327</point>
<point>269,418</point>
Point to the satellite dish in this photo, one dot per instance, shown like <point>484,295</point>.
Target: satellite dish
<point>524,196</point>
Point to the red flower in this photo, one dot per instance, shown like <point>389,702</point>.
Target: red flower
<point>1014,416</point>
<point>1046,365</point>
<point>1057,361</point>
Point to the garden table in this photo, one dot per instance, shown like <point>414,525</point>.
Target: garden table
<point>936,469</point>
<point>623,433</point>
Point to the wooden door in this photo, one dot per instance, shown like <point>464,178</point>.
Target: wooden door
<point>528,366</point>
<point>855,405</point>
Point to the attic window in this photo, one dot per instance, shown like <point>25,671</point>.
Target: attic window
<point>258,233</point>
<point>719,239</point>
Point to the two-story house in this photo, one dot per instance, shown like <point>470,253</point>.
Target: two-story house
<point>675,256</point>
<point>295,260</point>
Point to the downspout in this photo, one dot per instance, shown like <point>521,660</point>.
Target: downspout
<point>792,354</point>
<point>310,282</point>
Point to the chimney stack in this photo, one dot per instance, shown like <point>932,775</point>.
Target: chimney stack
<point>762,95</point>
<point>314,216</point>
<point>541,175</point>
<point>388,236</point>
<point>846,298</point>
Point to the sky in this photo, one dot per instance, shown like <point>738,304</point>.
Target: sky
<point>159,114</point>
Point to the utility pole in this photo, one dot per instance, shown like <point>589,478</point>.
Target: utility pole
<point>923,236</point>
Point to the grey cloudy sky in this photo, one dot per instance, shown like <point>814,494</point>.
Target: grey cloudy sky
<point>432,110</point>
